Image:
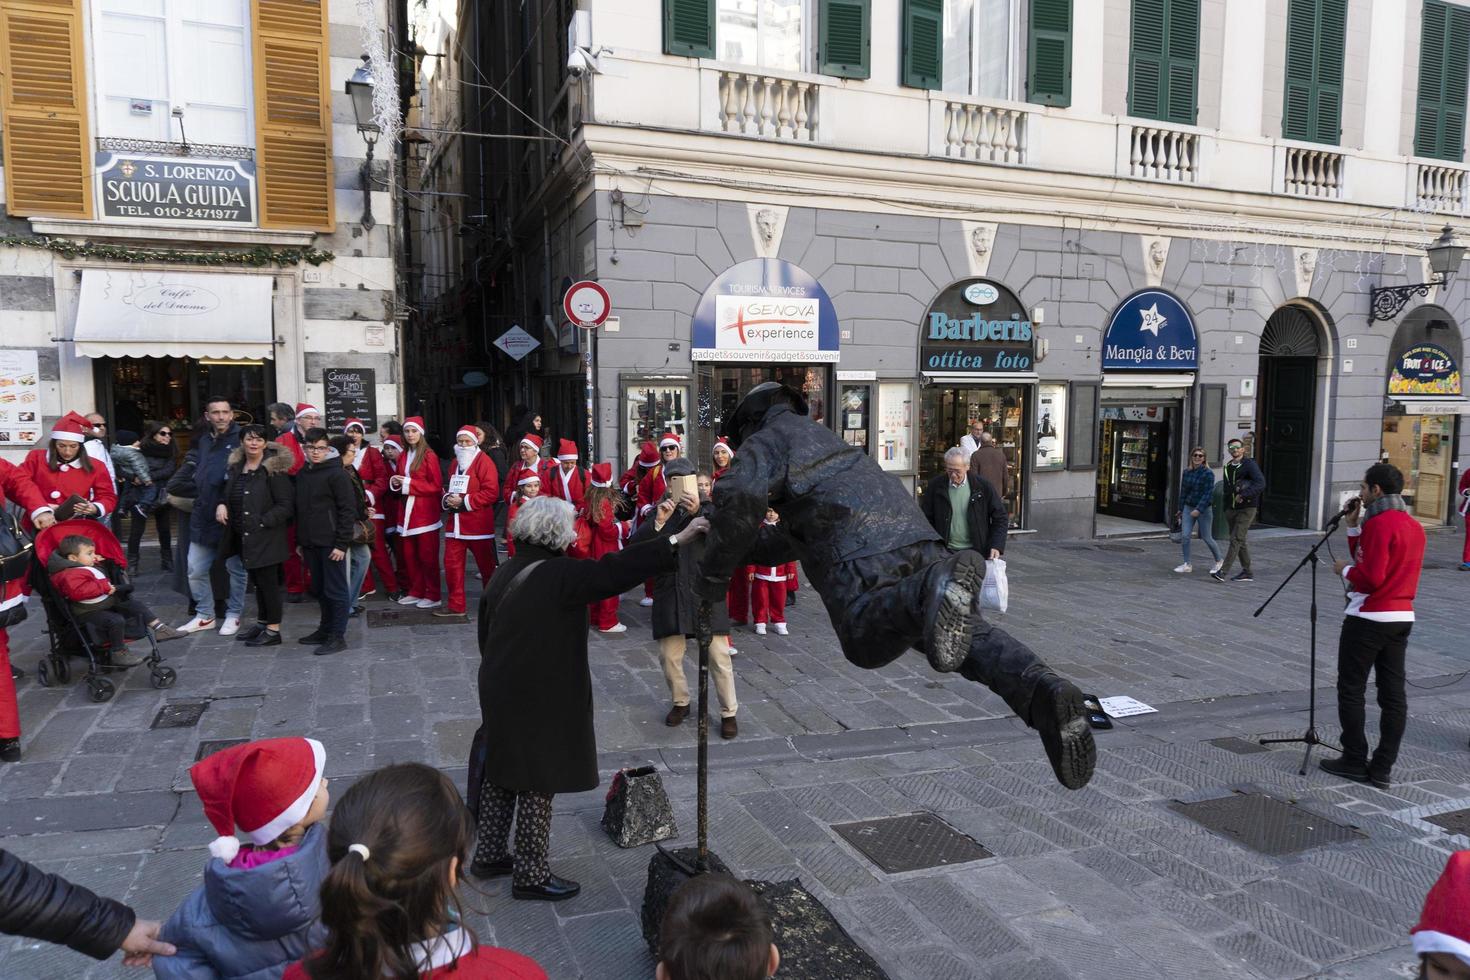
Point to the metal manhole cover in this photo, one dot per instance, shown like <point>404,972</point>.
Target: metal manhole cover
<point>411,617</point>
<point>1240,746</point>
<point>1453,822</point>
<point>1127,548</point>
<point>911,842</point>
<point>179,714</point>
<point>213,745</point>
<point>1266,825</point>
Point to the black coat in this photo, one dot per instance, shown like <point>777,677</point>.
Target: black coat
<point>675,603</point>
<point>326,505</point>
<point>535,687</point>
<point>50,908</point>
<point>986,513</point>
<point>211,467</point>
<point>269,503</point>
<point>162,463</point>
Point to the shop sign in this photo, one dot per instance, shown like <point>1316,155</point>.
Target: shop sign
<point>134,187</point>
<point>977,326</point>
<point>1425,369</point>
<point>1151,331</point>
<point>20,398</point>
<point>351,393</point>
<point>765,310</point>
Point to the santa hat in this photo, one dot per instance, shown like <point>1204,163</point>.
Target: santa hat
<point>394,439</point>
<point>469,430</point>
<point>566,451</point>
<point>354,424</point>
<point>263,788</point>
<point>1444,925</point>
<point>528,478</point>
<point>534,442</point>
<point>723,443</point>
<point>601,474</point>
<point>72,427</point>
<point>648,455</point>
<point>302,408</point>
<point>414,422</point>
<point>669,439</point>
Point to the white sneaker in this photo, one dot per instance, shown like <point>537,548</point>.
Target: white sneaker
<point>731,651</point>
<point>780,629</point>
<point>646,601</point>
<point>410,600</point>
<point>1215,569</point>
<point>618,628</point>
<point>760,629</point>
<point>427,603</point>
<point>230,626</point>
<point>196,624</point>
<point>1185,569</point>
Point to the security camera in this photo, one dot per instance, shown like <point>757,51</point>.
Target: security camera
<point>580,62</point>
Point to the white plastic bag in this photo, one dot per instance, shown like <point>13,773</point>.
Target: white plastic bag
<point>995,594</point>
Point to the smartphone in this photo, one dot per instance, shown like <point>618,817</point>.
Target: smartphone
<point>680,485</point>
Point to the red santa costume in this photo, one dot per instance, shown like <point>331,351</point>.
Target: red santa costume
<point>737,596</point>
<point>651,488</point>
<point>768,592</point>
<point>373,471</point>
<point>518,497</point>
<point>82,477</point>
<point>520,468</point>
<point>568,484</point>
<point>297,581</point>
<point>16,486</point>
<point>1464,508</point>
<point>391,507</point>
<point>606,535</point>
<point>633,475</point>
<point>471,525</point>
<point>453,955</point>
<point>421,488</point>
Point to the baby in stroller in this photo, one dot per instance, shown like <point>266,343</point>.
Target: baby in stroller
<point>96,602</point>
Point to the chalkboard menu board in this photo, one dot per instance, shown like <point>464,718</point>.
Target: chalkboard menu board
<point>351,393</point>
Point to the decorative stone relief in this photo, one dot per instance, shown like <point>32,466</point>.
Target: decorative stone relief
<point>979,244</point>
<point>1305,268</point>
<point>1155,257</point>
<point>767,224</point>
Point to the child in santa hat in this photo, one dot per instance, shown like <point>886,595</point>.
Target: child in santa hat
<point>606,534</point>
<point>257,910</point>
<point>1442,937</point>
<point>527,487</point>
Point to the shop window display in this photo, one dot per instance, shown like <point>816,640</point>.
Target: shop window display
<point>945,417</point>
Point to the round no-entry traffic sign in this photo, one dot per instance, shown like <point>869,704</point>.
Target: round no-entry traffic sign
<point>586,304</point>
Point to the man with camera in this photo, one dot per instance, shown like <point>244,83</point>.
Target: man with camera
<point>1382,577</point>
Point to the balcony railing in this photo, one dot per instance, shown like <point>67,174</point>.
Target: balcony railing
<point>753,104</point>
<point>987,133</point>
<point>1164,154</point>
<point>1439,188</point>
<point>1312,172</point>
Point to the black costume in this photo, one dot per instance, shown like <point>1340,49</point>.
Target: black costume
<point>879,566</point>
<point>48,907</point>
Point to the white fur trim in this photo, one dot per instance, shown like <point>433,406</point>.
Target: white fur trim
<point>16,600</point>
<point>307,410</point>
<point>67,436</point>
<point>355,425</point>
<point>413,425</point>
<point>41,510</point>
<point>528,442</point>
<point>1428,941</point>
<point>224,848</point>
<point>292,814</point>
<point>668,442</point>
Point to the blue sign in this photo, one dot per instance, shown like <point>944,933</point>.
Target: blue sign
<point>1151,331</point>
<point>765,310</point>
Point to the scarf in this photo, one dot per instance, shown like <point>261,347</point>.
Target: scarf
<point>1389,501</point>
<point>157,450</point>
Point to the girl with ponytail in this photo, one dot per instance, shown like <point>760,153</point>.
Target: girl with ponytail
<point>390,903</point>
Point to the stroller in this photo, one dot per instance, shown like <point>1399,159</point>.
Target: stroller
<point>68,637</point>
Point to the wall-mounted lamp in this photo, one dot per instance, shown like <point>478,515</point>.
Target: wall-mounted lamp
<point>1445,254</point>
<point>360,89</point>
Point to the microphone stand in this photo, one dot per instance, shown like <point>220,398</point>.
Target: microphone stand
<point>1310,739</point>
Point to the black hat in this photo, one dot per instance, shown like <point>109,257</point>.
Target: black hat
<point>682,466</point>
<point>753,407</point>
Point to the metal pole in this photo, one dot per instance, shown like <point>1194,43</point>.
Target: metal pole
<point>702,626</point>
<point>588,356</point>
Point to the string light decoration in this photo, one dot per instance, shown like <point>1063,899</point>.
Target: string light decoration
<point>375,47</point>
<point>259,257</point>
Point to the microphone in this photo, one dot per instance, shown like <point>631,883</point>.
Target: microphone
<point>1348,509</point>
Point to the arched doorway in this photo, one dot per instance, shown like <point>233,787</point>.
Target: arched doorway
<point>1286,414</point>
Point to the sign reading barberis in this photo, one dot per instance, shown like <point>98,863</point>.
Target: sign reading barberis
<point>978,326</point>
<point>135,187</point>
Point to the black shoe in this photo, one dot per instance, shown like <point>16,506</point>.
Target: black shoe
<point>166,565</point>
<point>9,750</point>
<point>334,644</point>
<point>555,890</point>
<point>395,596</point>
<point>317,635</point>
<point>1243,577</point>
<point>1059,714</point>
<point>267,638</point>
<point>245,636</point>
<point>493,869</point>
<point>1346,770</point>
<point>16,673</point>
<point>790,599</point>
<point>294,597</point>
<point>950,616</point>
<point>133,560</point>
<point>1217,576</point>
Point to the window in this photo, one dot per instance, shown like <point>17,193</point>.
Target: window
<point>977,47</point>
<point>1316,31</point>
<point>1051,426</point>
<point>1049,53</point>
<point>1444,50</point>
<point>1082,399</point>
<point>774,34</point>
<point>153,57</point>
<point>760,33</point>
<point>1163,62</point>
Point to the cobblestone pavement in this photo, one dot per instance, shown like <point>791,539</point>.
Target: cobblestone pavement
<point>1106,882</point>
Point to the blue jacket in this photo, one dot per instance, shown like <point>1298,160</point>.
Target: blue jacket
<point>211,470</point>
<point>249,924</point>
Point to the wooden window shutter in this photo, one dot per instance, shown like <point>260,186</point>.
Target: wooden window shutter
<point>1049,53</point>
<point>1301,48</point>
<point>293,115</point>
<point>1181,102</point>
<point>1316,33</point>
<point>689,28</point>
<point>1146,60</point>
<point>1331,54</point>
<point>1457,78</point>
<point>843,37</point>
<point>923,42</point>
<point>1163,60</point>
<point>1444,53</point>
<point>43,105</point>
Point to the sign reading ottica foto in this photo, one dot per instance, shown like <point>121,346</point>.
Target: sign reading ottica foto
<point>132,187</point>
<point>977,326</point>
<point>765,310</point>
<point>1151,331</point>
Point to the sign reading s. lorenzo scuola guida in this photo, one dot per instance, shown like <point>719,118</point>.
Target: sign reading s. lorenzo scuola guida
<point>175,189</point>
<point>765,310</point>
<point>1151,331</point>
<point>977,326</point>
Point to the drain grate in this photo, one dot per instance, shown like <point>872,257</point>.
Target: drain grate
<point>411,617</point>
<point>213,745</point>
<point>179,714</point>
<point>1240,746</point>
<point>1453,822</point>
<point>911,842</point>
<point>1265,824</point>
<point>1126,548</point>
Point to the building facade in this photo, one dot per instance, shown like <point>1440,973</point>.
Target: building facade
<point>1107,232</point>
<point>184,213</point>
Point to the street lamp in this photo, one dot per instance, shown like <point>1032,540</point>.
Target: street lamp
<point>1445,253</point>
<point>360,90</point>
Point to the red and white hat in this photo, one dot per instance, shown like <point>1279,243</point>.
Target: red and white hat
<point>414,422</point>
<point>648,455</point>
<point>357,424</point>
<point>528,478</point>
<point>263,788</point>
<point>535,442</point>
<point>566,451</point>
<point>1444,925</point>
<point>723,443</point>
<point>469,430</point>
<point>669,439</point>
<point>302,408</point>
<point>394,439</point>
<point>601,474</point>
<point>72,427</point>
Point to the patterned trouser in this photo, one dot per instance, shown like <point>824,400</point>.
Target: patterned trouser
<point>532,812</point>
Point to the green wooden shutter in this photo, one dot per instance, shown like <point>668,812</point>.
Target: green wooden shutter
<point>1301,47</point>
<point>1163,62</point>
<point>1331,53</point>
<point>843,37</point>
<point>689,28</point>
<point>1146,60</point>
<point>1182,79</point>
<point>1316,32</point>
<point>1444,73</point>
<point>923,42</point>
<point>1049,53</point>
<point>1456,79</point>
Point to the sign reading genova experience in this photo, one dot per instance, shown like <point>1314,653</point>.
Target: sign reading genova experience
<point>977,326</point>
<point>134,187</point>
<point>1151,331</point>
<point>765,310</point>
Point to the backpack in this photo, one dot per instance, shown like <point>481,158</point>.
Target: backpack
<point>17,551</point>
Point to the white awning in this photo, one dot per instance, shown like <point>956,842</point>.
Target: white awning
<point>1145,379</point>
<point>122,313</point>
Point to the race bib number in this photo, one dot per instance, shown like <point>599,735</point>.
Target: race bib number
<point>460,484</point>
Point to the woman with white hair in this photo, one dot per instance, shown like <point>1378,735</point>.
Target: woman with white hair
<point>536,736</point>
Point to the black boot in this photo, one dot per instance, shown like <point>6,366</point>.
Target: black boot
<point>950,613</point>
<point>1059,715</point>
<point>9,750</point>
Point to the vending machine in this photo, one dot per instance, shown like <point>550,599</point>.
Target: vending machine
<point>1133,477</point>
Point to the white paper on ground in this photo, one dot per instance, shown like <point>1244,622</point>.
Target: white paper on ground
<point>1123,706</point>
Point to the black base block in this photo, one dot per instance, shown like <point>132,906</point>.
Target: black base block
<point>664,875</point>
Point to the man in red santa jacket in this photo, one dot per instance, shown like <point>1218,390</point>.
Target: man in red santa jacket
<point>1387,548</point>
<point>469,525</point>
<point>530,464</point>
<point>568,480</point>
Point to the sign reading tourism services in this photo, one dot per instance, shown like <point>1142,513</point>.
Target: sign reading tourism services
<point>1151,331</point>
<point>134,187</point>
<point>765,310</point>
<point>977,326</point>
<point>1425,369</point>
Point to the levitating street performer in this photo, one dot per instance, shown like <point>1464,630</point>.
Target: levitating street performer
<point>885,576</point>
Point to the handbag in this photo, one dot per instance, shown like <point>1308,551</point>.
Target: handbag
<point>362,532</point>
<point>16,553</point>
<point>995,594</point>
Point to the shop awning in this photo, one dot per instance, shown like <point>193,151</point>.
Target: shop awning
<point>979,378</point>
<point>1432,406</point>
<point>1143,379</point>
<point>174,314</point>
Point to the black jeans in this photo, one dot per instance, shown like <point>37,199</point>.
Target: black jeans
<point>113,624</point>
<point>267,580</point>
<point>329,585</point>
<point>1380,647</point>
<point>162,520</point>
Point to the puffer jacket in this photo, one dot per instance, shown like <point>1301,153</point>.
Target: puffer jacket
<point>181,488</point>
<point>50,908</point>
<point>249,923</point>
<point>85,588</point>
<point>258,533</point>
